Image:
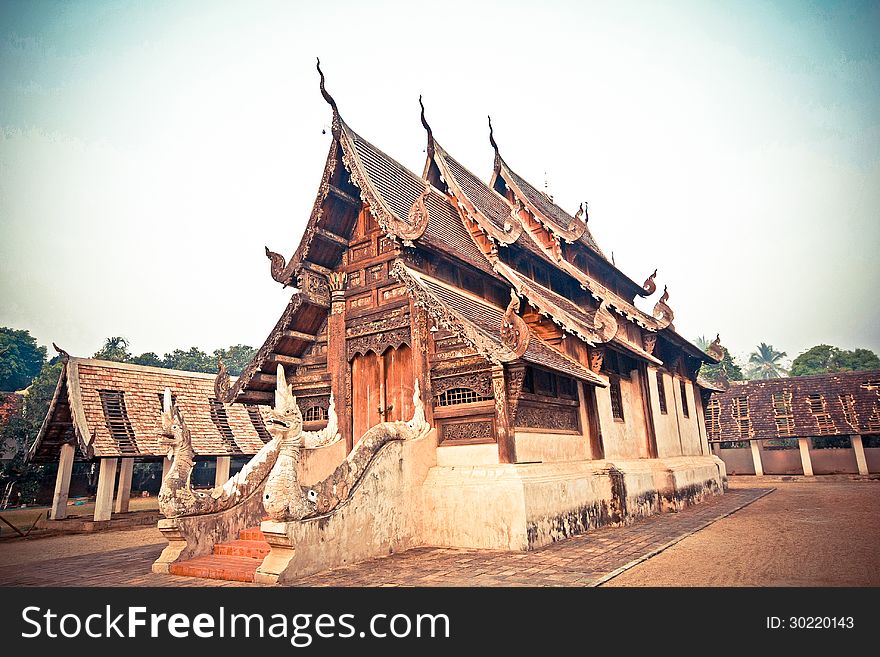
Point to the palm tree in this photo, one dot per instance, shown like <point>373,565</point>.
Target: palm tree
<point>764,363</point>
<point>115,348</point>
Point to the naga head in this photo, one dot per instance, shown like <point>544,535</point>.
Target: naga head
<point>285,419</point>
<point>174,431</point>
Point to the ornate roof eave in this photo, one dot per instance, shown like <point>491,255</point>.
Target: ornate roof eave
<point>450,320</point>
<point>286,272</point>
<point>559,232</point>
<point>500,168</point>
<point>464,204</point>
<point>601,331</point>
<point>256,364</point>
<point>393,225</point>
<point>602,293</point>
<point>69,378</point>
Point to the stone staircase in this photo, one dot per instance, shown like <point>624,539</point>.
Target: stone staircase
<point>235,561</point>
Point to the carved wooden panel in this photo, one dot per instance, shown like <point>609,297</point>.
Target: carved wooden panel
<point>377,342</point>
<point>305,403</point>
<point>475,431</point>
<point>375,273</point>
<point>480,382</point>
<point>314,286</point>
<point>361,252</point>
<point>360,301</point>
<point>386,244</point>
<point>391,293</point>
<point>384,320</point>
<point>547,416</point>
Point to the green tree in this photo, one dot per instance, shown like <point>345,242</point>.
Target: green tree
<point>20,431</point>
<point>236,357</point>
<point>765,363</point>
<point>194,360</point>
<point>20,359</point>
<point>148,358</point>
<point>825,359</point>
<point>116,349</point>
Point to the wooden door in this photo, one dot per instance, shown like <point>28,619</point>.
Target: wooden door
<point>366,393</point>
<point>381,388</point>
<point>398,384</point>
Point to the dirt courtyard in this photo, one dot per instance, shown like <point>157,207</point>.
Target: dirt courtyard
<point>820,533</point>
<point>816,533</point>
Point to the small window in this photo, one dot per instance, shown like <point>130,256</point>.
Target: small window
<point>259,425</point>
<point>315,414</point>
<point>116,418</point>
<point>816,403</point>
<point>162,400</point>
<point>740,410</point>
<point>684,399</point>
<point>456,396</point>
<point>661,393</point>
<point>616,399</point>
<point>221,421</point>
<point>713,418</point>
<point>782,413</point>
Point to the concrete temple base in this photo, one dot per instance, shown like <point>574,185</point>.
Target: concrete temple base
<point>407,501</point>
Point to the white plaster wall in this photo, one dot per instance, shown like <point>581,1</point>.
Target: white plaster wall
<point>485,454</point>
<point>627,439</point>
<point>383,515</point>
<point>318,463</point>
<point>666,426</point>
<point>537,446</point>
<point>690,426</point>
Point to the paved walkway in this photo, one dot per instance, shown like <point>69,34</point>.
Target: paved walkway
<point>585,560</point>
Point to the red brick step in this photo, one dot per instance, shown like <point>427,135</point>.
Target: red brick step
<point>243,548</point>
<point>215,566</point>
<point>235,561</point>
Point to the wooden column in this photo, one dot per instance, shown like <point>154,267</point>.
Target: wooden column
<point>123,488</point>
<point>756,457</point>
<point>806,462</point>
<point>503,422</point>
<point>859,449</point>
<point>418,320</point>
<point>648,411</point>
<point>337,360</point>
<point>221,474</point>
<point>106,484</point>
<point>62,482</point>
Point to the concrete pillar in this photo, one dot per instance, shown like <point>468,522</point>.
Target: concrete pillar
<point>221,474</point>
<point>859,449</point>
<point>62,481</point>
<point>106,484</point>
<point>756,457</point>
<point>804,446</point>
<point>123,488</point>
<point>166,467</point>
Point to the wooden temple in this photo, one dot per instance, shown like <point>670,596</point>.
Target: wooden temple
<point>523,336</point>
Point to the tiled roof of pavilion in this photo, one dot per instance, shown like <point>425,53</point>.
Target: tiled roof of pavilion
<point>841,404</point>
<point>111,409</point>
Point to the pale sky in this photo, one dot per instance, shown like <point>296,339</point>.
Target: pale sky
<point>149,150</point>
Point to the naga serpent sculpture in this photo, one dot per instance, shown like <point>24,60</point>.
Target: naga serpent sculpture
<point>177,498</point>
<point>284,499</point>
<point>277,464</point>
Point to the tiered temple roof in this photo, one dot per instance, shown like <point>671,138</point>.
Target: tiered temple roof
<point>489,230</point>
